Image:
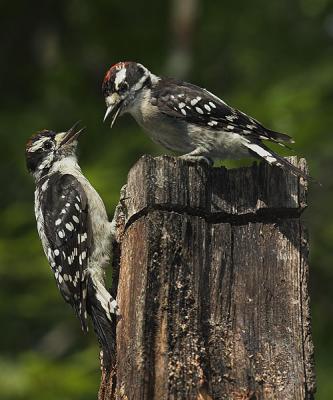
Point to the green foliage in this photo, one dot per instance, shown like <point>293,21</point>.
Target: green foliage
<point>272,59</point>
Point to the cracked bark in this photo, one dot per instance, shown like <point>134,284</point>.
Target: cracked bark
<point>213,285</point>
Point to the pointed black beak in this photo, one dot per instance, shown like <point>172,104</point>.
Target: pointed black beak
<point>113,110</point>
<point>72,134</point>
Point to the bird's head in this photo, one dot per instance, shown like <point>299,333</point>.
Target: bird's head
<point>121,84</point>
<point>47,147</point>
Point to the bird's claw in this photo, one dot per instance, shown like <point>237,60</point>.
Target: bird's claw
<point>195,159</point>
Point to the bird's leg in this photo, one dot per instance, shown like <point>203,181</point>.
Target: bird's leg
<point>197,155</point>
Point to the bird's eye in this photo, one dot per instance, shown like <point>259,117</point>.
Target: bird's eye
<point>47,145</point>
<point>122,88</point>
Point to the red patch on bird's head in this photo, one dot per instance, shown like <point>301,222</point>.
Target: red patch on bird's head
<point>114,68</point>
<point>107,75</point>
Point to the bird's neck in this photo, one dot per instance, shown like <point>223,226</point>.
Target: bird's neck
<point>139,91</point>
<point>65,165</point>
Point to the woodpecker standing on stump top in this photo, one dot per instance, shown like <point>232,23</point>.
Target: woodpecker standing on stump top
<point>188,119</point>
<point>75,231</point>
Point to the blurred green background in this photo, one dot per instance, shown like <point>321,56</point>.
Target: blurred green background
<point>271,59</point>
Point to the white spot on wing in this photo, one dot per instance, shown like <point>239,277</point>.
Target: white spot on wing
<point>70,226</point>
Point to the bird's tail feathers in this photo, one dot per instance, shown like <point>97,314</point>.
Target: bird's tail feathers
<point>260,150</point>
<point>82,306</point>
<point>280,137</point>
<point>79,303</point>
<point>101,307</point>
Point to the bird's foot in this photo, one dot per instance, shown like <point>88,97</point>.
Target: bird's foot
<point>195,159</point>
<point>113,307</point>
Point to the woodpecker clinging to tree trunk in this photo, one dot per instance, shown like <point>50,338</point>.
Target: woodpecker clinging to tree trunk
<point>75,231</point>
<point>188,119</point>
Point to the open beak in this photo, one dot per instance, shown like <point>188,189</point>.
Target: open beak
<point>114,109</point>
<point>71,135</point>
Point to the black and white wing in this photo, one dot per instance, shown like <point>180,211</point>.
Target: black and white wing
<point>68,232</point>
<point>200,107</point>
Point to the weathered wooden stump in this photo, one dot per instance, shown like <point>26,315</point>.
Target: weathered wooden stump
<point>213,285</point>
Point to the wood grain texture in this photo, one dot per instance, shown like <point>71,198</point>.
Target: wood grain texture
<point>212,285</point>
<point>172,184</point>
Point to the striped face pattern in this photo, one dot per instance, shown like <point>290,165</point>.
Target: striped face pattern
<point>40,151</point>
<point>120,86</point>
<point>122,79</point>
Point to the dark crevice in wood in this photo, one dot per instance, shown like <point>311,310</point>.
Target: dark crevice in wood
<point>262,215</point>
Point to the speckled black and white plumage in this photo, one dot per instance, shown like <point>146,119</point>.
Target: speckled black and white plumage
<point>75,232</point>
<point>188,119</point>
<point>63,219</point>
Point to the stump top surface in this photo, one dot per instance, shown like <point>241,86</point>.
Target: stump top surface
<point>176,185</point>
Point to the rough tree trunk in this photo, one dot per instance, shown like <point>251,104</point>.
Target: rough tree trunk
<point>213,285</point>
